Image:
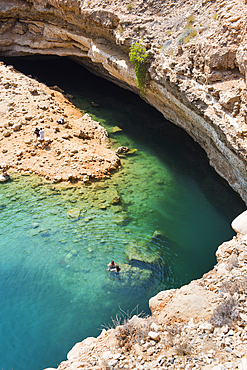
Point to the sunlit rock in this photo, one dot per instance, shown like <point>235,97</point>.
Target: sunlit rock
<point>74,213</point>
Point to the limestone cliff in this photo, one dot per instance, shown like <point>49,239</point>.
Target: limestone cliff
<point>196,66</point>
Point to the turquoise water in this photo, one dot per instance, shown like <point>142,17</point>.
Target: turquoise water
<point>55,289</point>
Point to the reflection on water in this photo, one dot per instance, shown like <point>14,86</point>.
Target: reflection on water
<point>56,240</point>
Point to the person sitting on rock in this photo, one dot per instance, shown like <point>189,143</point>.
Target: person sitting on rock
<point>36,132</point>
<point>111,266</point>
<point>5,173</point>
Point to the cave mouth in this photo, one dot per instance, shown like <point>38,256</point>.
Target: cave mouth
<point>174,213</point>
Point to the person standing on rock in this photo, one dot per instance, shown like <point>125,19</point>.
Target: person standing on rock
<point>36,132</point>
<point>41,135</point>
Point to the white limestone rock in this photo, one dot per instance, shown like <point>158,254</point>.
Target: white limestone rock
<point>206,326</point>
<point>239,224</point>
<point>153,335</point>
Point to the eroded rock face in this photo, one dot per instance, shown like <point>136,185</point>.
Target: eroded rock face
<point>196,68</point>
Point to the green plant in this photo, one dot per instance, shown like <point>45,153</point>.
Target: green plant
<point>129,7</point>
<point>138,56</point>
<point>186,35</point>
<point>120,29</point>
<point>215,16</point>
<point>190,20</point>
<point>169,33</point>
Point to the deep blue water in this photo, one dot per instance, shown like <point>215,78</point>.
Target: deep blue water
<point>55,289</point>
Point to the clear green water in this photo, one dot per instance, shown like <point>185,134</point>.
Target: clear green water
<point>55,289</point>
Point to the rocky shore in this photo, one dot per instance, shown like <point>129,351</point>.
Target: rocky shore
<point>201,326</point>
<point>76,150</point>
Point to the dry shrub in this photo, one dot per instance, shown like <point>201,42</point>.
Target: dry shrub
<point>133,331</point>
<point>225,313</point>
<point>183,348</point>
<point>239,286</point>
<point>130,329</point>
<point>233,262</point>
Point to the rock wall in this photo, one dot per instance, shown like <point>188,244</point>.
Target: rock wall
<point>196,65</point>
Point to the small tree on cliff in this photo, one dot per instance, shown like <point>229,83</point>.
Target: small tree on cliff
<point>138,56</point>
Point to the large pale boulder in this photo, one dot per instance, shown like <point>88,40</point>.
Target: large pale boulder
<point>80,348</point>
<point>190,301</point>
<point>239,224</point>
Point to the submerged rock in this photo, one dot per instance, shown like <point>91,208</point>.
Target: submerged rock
<point>116,200</point>
<point>72,253</point>
<point>74,213</point>
<point>142,256</point>
<point>122,149</point>
<point>158,234</point>
<point>131,151</point>
<point>95,105</point>
<point>129,276</point>
<point>116,129</point>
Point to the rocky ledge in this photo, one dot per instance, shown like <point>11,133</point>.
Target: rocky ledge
<point>196,66</point>
<point>76,150</point>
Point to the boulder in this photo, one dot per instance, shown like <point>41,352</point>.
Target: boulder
<point>142,256</point>
<point>82,134</point>
<point>190,301</point>
<point>122,149</point>
<point>116,200</point>
<point>239,224</point>
<point>116,129</point>
<point>159,234</point>
<point>17,127</point>
<point>153,335</point>
<point>6,133</point>
<point>74,213</point>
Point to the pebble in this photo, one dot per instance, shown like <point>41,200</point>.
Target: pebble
<point>153,335</point>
